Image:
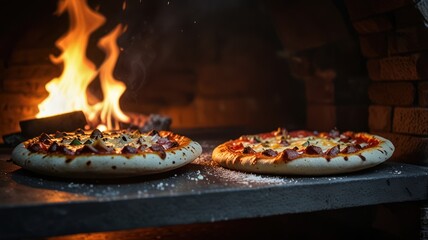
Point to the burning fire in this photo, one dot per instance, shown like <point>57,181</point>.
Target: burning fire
<point>67,93</point>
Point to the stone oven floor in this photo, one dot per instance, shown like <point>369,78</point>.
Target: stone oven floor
<point>202,200</point>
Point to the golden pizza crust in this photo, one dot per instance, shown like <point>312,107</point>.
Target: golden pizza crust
<point>305,164</point>
<point>107,165</point>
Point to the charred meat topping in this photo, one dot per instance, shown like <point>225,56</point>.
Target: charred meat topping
<point>47,142</point>
<point>129,149</point>
<point>351,149</point>
<point>43,137</point>
<point>170,144</point>
<point>109,142</point>
<point>157,148</point>
<point>96,134</point>
<point>65,150</point>
<point>291,154</point>
<point>58,134</point>
<point>53,147</point>
<point>270,153</point>
<point>313,150</point>
<point>143,147</point>
<point>35,147</point>
<point>248,150</point>
<point>87,149</point>
<point>298,144</point>
<point>332,152</point>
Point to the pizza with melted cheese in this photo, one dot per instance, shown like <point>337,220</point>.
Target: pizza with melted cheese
<point>303,152</point>
<point>96,154</point>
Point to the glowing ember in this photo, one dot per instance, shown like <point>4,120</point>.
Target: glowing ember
<point>68,92</point>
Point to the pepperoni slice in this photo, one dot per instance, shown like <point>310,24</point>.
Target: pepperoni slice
<point>248,150</point>
<point>312,150</point>
<point>129,149</point>
<point>270,153</point>
<point>290,154</point>
<point>332,152</point>
<point>351,149</point>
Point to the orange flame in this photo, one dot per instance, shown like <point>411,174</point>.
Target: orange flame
<point>68,92</point>
<point>112,88</point>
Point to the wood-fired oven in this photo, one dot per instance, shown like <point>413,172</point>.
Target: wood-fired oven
<point>221,68</point>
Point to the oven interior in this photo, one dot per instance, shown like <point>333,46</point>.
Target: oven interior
<point>242,66</point>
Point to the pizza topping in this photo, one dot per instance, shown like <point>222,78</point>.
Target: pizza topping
<point>313,150</point>
<point>157,148</point>
<point>101,146</point>
<point>44,137</point>
<point>236,147</point>
<point>129,149</point>
<point>284,142</point>
<point>332,152</point>
<point>75,142</point>
<point>306,143</point>
<point>46,141</point>
<point>298,144</point>
<point>170,144</point>
<point>87,149</point>
<point>143,147</point>
<point>270,153</point>
<point>124,138</point>
<point>351,149</point>
<point>155,138</point>
<point>96,134</point>
<point>65,150</point>
<point>53,147</point>
<point>35,147</point>
<point>248,150</point>
<point>291,154</point>
<point>110,142</point>
<point>59,134</point>
<point>161,140</point>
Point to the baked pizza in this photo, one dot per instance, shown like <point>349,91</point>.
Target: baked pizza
<point>96,154</point>
<point>303,152</point>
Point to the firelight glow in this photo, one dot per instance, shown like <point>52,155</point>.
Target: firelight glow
<point>68,92</point>
<point>112,88</point>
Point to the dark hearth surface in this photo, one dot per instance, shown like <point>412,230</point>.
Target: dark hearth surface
<point>201,192</point>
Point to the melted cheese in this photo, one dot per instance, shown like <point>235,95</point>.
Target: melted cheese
<point>113,140</point>
<point>298,143</point>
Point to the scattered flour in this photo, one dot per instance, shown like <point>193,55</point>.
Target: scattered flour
<point>211,168</point>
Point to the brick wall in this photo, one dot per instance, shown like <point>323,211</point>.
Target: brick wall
<point>325,56</point>
<point>364,67</point>
<point>394,39</point>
